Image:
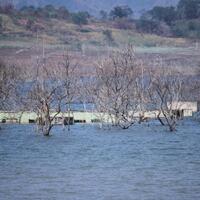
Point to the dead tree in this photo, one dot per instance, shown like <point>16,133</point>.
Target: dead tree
<point>116,90</point>
<point>12,83</point>
<point>69,78</point>
<point>8,79</point>
<point>166,93</point>
<point>46,96</point>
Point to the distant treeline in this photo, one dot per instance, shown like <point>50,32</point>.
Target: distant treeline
<point>180,21</point>
<point>46,12</point>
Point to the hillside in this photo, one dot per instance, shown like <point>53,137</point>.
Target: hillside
<point>20,43</point>
<point>30,32</point>
<point>94,6</point>
<point>94,34</point>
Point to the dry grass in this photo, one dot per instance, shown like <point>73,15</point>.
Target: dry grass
<point>60,32</point>
<point>88,43</point>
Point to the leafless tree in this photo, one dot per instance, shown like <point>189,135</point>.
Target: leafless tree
<point>70,81</point>
<point>7,85</point>
<point>10,78</point>
<point>12,85</point>
<point>116,91</point>
<point>46,95</point>
<point>166,94</point>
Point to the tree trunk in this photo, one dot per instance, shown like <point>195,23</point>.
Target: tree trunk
<point>159,119</point>
<point>47,129</point>
<point>68,123</point>
<point>20,117</point>
<point>172,128</point>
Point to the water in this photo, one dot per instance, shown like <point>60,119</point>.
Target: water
<point>143,163</point>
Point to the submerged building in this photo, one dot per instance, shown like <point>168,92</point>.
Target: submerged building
<point>181,109</point>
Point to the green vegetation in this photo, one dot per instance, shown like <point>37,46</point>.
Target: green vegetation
<point>29,26</point>
<point>182,21</point>
<point>189,28</point>
<point>121,12</point>
<point>165,14</point>
<point>80,18</point>
<point>188,9</point>
<point>103,14</point>
<point>47,12</point>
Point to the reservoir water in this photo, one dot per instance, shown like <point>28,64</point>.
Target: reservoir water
<point>142,163</point>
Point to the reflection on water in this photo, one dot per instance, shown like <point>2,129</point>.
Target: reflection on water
<point>89,164</point>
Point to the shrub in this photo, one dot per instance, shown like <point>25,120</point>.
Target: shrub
<point>121,12</point>
<point>103,14</point>
<point>164,14</point>
<point>63,13</point>
<point>108,36</point>
<point>125,24</point>
<point>29,24</point>
<point>80,18</point>
<point>189,28</point>
<point>147,26</point>
<point>188,9</point>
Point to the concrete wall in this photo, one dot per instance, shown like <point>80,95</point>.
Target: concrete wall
<point>185,106</point>
<point>188,109</point>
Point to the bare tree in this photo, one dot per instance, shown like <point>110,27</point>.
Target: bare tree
<point>7,85</point>
<point>12,84</point>
<point>69,77</point>
<point>10,78</point>
<point>46,96</point>
<point>166,94</point>
<point>116,91</point>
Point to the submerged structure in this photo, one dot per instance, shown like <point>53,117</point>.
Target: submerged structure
<point>184,109</point>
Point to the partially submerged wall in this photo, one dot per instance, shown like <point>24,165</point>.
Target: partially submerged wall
<point>188,109</point>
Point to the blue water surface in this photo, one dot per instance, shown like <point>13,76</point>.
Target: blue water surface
<point>142,163</point>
